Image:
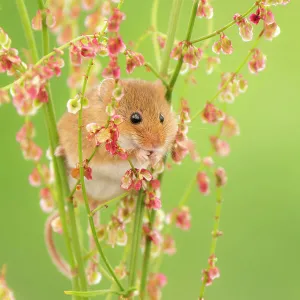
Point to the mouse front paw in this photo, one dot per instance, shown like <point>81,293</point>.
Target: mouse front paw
<point>142,156</point>
<point>155,158</point>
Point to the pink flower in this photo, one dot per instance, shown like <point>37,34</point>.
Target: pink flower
<point>10,61</point>
<point>135,180</point>
<point>230,127</point>
<point>255,18</point>
<point>177,51</point>
<point>155,283</point>
<point>115,20</point>
<point>153,235</point>
<point>221,147</point>
<point>211,63</point>
<point>221,177</point>
<point>203,182</point>
<point>112,70</point>
<point>26,132</point>
<point>46,201</point>
<point>211,114</point>
<point>4,97</point>
<point>205,10</point>
<point>133,60</point>
<point>57,225</point>
<point>35,178</point>
<point>192,55</point>
<point>152,202</point>
<point>224,45</point>
<point>88,4</point>
<point>161,41</point>
<point>169,246</point>
<point>36,22</point>
<point>245,27</point>
<point>115,45</point>
<point>183,218</point>
<point>258,62</point>
<point>271,31</point>
<point>208,161</point>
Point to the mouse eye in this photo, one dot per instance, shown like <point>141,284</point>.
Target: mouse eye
<point>161,118</point>
<point>136,118</point>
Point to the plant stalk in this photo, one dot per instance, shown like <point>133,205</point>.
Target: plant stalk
<point>173,21</point>
<point>83,188</point>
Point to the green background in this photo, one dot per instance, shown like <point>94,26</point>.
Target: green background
<point>259,252</point>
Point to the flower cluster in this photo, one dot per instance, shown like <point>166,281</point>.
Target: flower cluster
<point>93,275</point>
<point>133,60</point>
<point>212,272</point>
<point>231,86</point>
<point>10,62</point>
<point>30,94</point>
<point>203,182</point>
<point>135,179</point>
<point>115,44</point>
<point>211,114</point>
<point>245,27</point>
<point>115,230</point>
<point>107,135</point>
<point>230,127</point>
<point>221,147</point>
<point>24,137</point>
<point>156,282</point>
<point>36,22</point>
<point>5,292</point>
<point>152,199</point>
<point>181,216</point>
<point>87,48</point>
<point>258,62</point>
<point>212,61</point>
<point>75,172</point>
<point>223,45</point>
<point>205,10</point>
<point>271,29</point>
<point>221,177</point>
<point>182,145</point>
<point>191,55</point>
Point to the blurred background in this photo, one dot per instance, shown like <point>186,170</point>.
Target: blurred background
<point>258,255</point>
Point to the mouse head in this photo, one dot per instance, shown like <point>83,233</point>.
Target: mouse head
<point>149,123</point>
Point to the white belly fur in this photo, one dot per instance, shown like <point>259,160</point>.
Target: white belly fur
<point>106,182</point>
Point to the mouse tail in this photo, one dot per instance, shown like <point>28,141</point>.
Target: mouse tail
<point>56,257</point>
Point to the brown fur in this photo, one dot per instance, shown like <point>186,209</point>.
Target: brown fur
<point>140,96</point>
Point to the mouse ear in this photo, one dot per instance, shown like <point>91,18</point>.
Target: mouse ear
<point>105,89</point>
<point>160,88</point>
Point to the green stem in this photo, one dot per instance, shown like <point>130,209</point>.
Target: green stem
<point>50,124</point>
<point>187,39</point>
<point>83,188</point>
<point>214,235</point>
<point>173,21</point>
<point>108,202</point>
<point>146,260</point>
<point>208,36</point>
<point>100,292</point>
<point>188,191</point>
<point>239,68</point>
<point>154,34</point>
<point>59,165</point>
<point>27,29</point>
<point>165,83</point>
<point>136,237</point>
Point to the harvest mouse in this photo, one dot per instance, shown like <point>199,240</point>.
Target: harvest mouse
<point>146,133</point>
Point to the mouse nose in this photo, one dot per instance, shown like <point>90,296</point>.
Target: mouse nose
<point>156,141</point>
